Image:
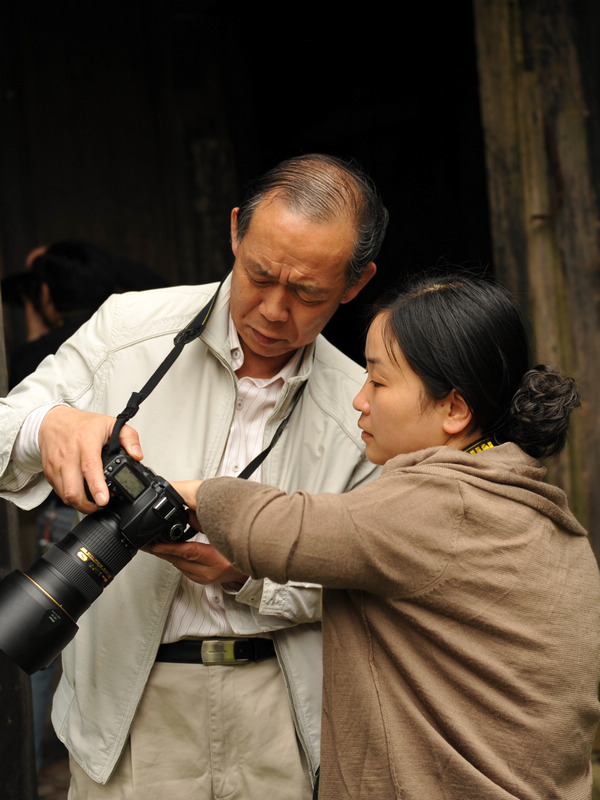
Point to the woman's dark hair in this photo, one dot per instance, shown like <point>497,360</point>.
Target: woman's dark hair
<point>324,188</point>
<point>462,332</point>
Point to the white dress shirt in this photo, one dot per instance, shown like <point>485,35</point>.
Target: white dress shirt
<point>198,610</point>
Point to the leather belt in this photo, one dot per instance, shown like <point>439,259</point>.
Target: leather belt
<point>216,651</point>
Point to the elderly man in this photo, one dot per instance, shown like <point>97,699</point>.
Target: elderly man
<point>140,713</point>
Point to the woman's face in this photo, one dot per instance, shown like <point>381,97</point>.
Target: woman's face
<point>396,414</point>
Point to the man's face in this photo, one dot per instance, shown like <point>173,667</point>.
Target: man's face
<point>289,277</point>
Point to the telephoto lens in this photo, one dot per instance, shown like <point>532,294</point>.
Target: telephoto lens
<point>39,608</point>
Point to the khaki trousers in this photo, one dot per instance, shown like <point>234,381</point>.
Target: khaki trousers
<point>207,733</point>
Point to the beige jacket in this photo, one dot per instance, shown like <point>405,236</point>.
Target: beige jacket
<point>183,426</point>
<point>461,624</point>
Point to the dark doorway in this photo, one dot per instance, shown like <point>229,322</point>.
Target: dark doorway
<point>135,126</point>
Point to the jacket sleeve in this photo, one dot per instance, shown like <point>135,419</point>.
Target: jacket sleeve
<point>291,603</point>
<point>65,377</point>
<point>380,538</point>
<point>259,528</point>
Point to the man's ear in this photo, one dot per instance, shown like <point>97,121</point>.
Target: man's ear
<point>234,230</point>
<point>458,415</point>
<point>366,276</point>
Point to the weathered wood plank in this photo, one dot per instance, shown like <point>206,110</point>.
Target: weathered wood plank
<point>544,207</point>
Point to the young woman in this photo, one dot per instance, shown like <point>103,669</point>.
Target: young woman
<point>461,604</point>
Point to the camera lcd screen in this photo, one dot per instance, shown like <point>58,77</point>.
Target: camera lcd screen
<point>126,478</point>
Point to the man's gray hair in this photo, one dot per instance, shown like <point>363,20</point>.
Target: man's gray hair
<point>324,189</point>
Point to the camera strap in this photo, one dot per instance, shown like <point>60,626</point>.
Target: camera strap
<point>192,331</point>
<point>257,461</point>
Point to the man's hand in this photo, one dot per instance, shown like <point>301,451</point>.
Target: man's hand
<point>71,443</point>
<point>198,561</point>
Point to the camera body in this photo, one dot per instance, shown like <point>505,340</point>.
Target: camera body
<point>39,609</point>
<point>148,507</point>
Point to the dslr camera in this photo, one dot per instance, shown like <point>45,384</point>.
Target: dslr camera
<point>39,608</point>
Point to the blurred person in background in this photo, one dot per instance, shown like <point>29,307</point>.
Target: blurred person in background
<point>62,285</point>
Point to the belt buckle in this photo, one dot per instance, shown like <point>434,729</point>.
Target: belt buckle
<point>220,651</point>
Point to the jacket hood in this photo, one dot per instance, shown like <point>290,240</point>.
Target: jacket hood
<point>504,470</point>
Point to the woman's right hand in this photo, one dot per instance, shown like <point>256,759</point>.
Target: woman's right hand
<point>188,490</point>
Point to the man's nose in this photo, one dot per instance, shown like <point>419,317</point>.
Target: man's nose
<point>274,305</point>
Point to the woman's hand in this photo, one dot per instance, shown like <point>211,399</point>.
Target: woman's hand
<point>198,561</point>
<point>188,490</point>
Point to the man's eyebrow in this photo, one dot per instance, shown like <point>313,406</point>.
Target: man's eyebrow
<point>259,269</point>
<point>308,288</point>
<point>304,287</point>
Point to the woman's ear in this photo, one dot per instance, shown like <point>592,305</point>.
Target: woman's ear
<point>458,415</point>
